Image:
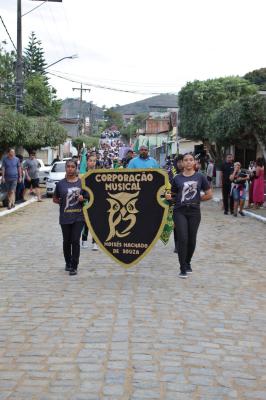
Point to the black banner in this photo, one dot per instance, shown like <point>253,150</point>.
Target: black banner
<point>125,213</point>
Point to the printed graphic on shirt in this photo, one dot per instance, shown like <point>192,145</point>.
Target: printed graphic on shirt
<point>72,197</point>
<point>189,191</point>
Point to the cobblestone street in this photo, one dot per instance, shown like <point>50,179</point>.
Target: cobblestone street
<point>136,334</point>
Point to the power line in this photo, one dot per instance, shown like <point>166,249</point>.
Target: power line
<point>45,1</point>
<point>109,88</point>
<point>132,83</point>
<point>58,31</point>
<point>8,33</point>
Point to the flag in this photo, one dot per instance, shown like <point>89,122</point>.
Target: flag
<point>169,226</point>
<point>83,162</point>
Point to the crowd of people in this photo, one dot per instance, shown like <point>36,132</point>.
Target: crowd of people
<point>238,182</point>
<point>189,187</point>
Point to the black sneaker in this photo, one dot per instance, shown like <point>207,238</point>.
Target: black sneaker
<point>182,275</point>
<point>68,267</point>
<point>189,270</point>
<point>225,212</point>
<point>241,213</point>
<point>73,271</point>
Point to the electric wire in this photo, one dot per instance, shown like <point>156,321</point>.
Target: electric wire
<point>127,83</point>
<point>58,32</point>
<point>108,87</point>
<point>8,33</point>
<point>70,30</point>
<point>45,1</point>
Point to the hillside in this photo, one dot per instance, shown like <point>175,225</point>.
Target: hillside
<point>71,109</point>
<point>149,104</point>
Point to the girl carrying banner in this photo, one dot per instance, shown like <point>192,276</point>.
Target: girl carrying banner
<point>186,192</point>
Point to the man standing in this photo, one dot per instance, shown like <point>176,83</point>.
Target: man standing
<point>31,167</point>
<point>227,170</point>
<point>11,171</point>
<point>143,160</point>
<point>126,160</point>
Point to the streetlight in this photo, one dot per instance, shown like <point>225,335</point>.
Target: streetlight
<point>63,58</point>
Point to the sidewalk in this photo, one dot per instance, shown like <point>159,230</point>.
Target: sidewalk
<point>4,211</point>
<point>258,214</point>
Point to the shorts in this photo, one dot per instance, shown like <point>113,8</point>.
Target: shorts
<point>11,186</point>
<point>34,183</point>
<point>239,194</point>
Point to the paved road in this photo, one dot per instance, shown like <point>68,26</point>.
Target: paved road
<point>136,334</point>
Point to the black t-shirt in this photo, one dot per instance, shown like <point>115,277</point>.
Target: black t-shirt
<point>70,206</point>
<point>187,189</point>
<point>227,170</point>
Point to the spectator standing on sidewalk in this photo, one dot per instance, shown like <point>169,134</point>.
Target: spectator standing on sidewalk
<point>20,190</point>
<point>11,175</point>
<point>70,196</point>
<point>239,180</point>
<point>209,172</point>
<point>258,189</point>
<point>227,170</point>
<point>31,167</point>
<point>186,189</point>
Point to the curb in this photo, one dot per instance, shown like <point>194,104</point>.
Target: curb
<point>247,213</point>
<point>17,207</point>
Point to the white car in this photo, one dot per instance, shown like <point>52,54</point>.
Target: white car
<point>57,173</point>
<point>43,171</point>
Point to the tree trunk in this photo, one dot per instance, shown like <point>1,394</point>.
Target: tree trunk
<point>262,145</point>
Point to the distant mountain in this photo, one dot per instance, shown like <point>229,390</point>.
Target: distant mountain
<point>71,109</point>
<point>154,103</point>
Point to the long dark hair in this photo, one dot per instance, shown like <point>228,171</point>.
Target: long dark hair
<point>260,162</point>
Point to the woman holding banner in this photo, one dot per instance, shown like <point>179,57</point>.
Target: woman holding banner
<point>70,196</point>
<point>186,193</point>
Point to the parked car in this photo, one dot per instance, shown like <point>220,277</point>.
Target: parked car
<point>57,173</point>
<point>43,170</point>
<point>3,194</point>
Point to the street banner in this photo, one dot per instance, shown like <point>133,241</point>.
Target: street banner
<point>126,211</point>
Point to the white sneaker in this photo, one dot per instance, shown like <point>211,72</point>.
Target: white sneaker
<point>84,244</point>
<point>94,247</point>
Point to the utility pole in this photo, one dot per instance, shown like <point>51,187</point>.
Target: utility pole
<point>19,67</point>
<point>80,106</point>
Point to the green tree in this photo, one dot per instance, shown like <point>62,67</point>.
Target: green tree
<point>31,133</point>
<point>34,61</point>
<point>254,117</point>
<point>43,132</point>
<point>258,77</point>
<point>239,121</point>
<point>40,99</point>
<point>199,99</point>
<point>7,76</point>
<point>14,128</point>
<point>89,141</point>
<point>113,118</point>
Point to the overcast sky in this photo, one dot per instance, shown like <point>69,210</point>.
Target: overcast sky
<point>142,45</point>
